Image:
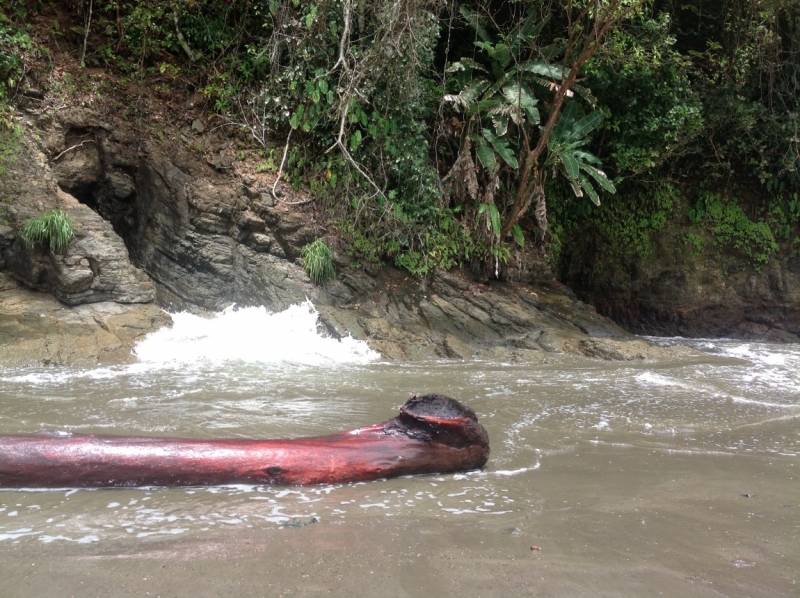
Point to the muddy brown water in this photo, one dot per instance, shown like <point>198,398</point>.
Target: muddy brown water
<point>672,478</point>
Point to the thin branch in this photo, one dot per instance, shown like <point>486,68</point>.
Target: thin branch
<point>181,39</point>
<point>359,169</point>
<point>86,34</point>
<point>342,122</point>
<point>283,161</point>
<point>343,40</point>
<point>295,203</point>
<point>69,149</point>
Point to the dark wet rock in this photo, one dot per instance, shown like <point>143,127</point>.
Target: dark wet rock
<point>670,293</point>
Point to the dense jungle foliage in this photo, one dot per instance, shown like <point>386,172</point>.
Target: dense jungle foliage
<point>441,132</point>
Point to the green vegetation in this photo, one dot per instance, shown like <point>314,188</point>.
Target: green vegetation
<point>13,44</point>
<point>446,133</point>
<point>624,225</point>
<point>731,227</point>
<point>318,261</point>
<point>54,228</point>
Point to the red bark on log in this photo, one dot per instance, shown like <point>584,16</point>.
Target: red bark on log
<point>432,434</point>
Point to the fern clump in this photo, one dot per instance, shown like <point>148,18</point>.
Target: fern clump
<point>318,261</point>
<point>54,226</point>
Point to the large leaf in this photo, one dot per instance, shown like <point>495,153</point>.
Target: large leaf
<point>585,125</point>
<point>564,125</point>
<point>465,64</point>
<point>489,105</point>
<point>485,154</point>
<point>500,53</point>
<point>519,95</point>
<point>500,123</point>
<point>586,157</point>
<point>570,165</point>
<point>573,147</point>
<point>492,217</point>
<point>549,53</point>
<point>529,28</point>
<point>599,176</point>
<point>576,187</point>
<point>475,22</point>
<point>587,186</point>
<point>471,91</point>
<point>585,93</point>
<point>501,147</point>
<point>516,230</point>
<point>510,74</point>
<point>540,67</point>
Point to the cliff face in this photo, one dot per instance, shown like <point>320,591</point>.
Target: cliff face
<point>716,292</point>
<point>96,266</point>
<point>158,223</point>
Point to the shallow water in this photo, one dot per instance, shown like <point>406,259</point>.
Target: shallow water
<point>665,472</point>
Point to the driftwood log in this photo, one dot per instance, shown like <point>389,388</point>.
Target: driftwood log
<point>432,434</point>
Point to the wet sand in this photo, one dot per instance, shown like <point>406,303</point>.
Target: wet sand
<point>607,521</point>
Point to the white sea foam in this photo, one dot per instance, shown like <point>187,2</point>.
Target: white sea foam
<point>513,472</point>
<point>88,539</point>
<point>756,353</point>
<point>251,334</point>
<point>649,378</point>
<point>13,535</point>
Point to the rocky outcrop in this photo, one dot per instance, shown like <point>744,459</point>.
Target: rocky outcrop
<point>452,316</point>
<point>96,266</point>
<point>671,293</point>
<point>36,327</point>
<point>202,236</point>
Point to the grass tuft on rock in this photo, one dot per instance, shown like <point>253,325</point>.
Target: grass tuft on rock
<point>318,261</point>
<point>54,227</point>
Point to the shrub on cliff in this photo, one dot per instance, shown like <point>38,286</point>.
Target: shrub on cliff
<point>318,261</point>
<point>54,227</point>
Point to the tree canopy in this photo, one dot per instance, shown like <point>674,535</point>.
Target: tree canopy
<point>439,132</point>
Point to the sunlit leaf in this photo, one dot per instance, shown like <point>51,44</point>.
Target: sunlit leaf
<point>542,68</point>
<point>355,140</point>
<point>465,64</point>
<point>576,187</point>
<point>492,217</point>
<point>519,95</point>
<point>599,176</point>
<point>587,186</point>
<point>471,91</point>
<point>500,123</point>
<point>516,231</point>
